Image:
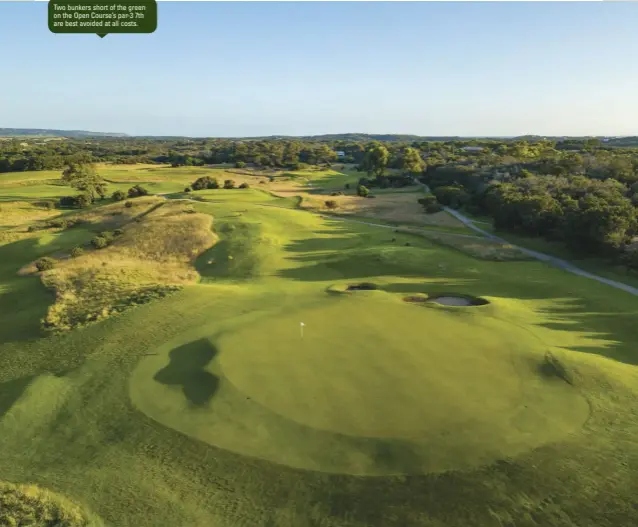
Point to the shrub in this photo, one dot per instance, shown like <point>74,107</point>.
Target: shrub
<point>118,232</point>
<point>229,183</point>
<point>430,204</point>
<point>80,201</point>
<point>128,204</point>
<point>240,164</point>
<point>99,242</point>
<point>35,506</point>
<point>45,264</point>
<point>59,223</point>
<point>244,185</point>
<point>118,195</point>
<point>137,191</point>
<point>205,182</point>
<point>331,204</point>
<point>77,251</point>
<point>362,191</point>
<point>187,189</point>
<point>262,182</point>
<point>347,186</point>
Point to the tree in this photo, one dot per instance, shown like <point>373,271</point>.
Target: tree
<point>45,264</point>
<point>363,191</point>
<point>118,195</point>
<point>331,204</point>
<point>137,191</point>
<point>452,196</point>
<point>229,183</point>
<point>205,182</point>
<point>430,204</point>
<point>376,160</point>
<point>84,177</point>
<point>412,161</point>
<point>244,185</point>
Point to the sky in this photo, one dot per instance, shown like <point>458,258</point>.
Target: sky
<point>251,69</point>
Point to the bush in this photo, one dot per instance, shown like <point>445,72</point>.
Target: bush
<point>59,223</point>
<point>331,204</point>
<point>244,185</point>
<point>99,242</point>
<point>229,183</point>
<point>339,193</point>
<point>118,195</point>
<point>187,189</point>
<point>80,201</point>
<point>77,251</point>
<point>205,182</point>
<point>240,164</point>
<point>35,506</point>
<point>430,204</point>
<point>45,264</point>
<point>118,232</point>
<point>137,191</point>
<point>362,191</point>
<point>347,186</point>
<point>128,204</point>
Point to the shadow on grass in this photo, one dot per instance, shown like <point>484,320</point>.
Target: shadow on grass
<point>602,315</point>
<point>11,391</point>
<point>186,368</point>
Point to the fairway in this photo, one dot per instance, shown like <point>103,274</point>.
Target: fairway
<point>206,405</point>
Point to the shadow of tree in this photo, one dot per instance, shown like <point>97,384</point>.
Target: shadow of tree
<point>186,368</point>
<point>603,318</point>
<point>11,391</point>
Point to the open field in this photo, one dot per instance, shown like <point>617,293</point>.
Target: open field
<point>213,405</point>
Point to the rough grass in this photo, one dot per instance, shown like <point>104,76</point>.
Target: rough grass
<point>150,259</point>
<point>201,409</point>
<point>17,213</point>
<point>30,505</point>
<point>482,248</point>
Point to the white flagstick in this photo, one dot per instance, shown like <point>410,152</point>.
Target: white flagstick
<point>301,325</point>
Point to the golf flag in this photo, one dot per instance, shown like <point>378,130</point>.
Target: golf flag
<point>301,325</point>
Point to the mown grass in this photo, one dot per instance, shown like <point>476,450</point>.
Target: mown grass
<point>208,408</point>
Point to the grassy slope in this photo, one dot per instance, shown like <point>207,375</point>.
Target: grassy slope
<point>67,421</point>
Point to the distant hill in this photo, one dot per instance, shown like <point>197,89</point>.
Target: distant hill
<point>45,132</point>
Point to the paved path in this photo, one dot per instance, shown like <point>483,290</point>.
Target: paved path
<point>552,260</point>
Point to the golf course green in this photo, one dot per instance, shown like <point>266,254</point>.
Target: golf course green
<point>351,397</point>
<point>264,392</point>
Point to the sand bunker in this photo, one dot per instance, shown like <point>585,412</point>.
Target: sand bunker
<point>452,301</point>
<point>447,299</point>
<point>364,286</point>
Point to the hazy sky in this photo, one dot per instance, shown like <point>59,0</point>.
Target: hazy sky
<point>246,69</point>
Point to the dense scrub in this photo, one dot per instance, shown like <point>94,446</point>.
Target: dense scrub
<point>30,505</point>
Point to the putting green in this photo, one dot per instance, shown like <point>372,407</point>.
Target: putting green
<point>374,386</point>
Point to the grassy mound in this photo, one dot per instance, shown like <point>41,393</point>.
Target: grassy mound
<point>152,258</point>
<point>22,505</point>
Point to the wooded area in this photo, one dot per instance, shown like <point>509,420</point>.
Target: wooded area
<point>582,192</point>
